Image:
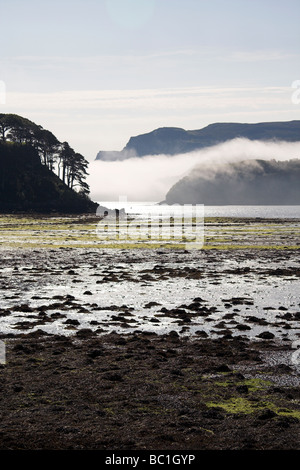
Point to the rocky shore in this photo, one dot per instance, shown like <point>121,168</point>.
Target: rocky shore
<point>137,349</point>
<point>147,392</point>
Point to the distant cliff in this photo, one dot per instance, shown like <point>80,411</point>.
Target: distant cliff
<point>251,182</point>
<point>173,140</point>
<point>28,185</point>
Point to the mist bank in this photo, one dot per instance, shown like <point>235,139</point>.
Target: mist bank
<point>151,178</point>
<point>249,182</point>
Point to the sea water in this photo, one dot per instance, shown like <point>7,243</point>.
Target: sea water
<point>268,212</point>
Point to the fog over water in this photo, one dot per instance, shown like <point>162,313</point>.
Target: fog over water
<point>149,178</point>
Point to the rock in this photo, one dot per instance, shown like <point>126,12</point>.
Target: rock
<point>201,333</point>
<point>242,389</point>
<point>253,319</point>
<point>223,368</point>
<point>283,368</point>
<point>213,413</point>
<point>84,333</point>
<point>151,304</point>
<point>113,376</point>
<point>173,334</point>
<point>286,421</point>
<point>267,414</point>
<point>24,308</point>
<point>71,272</point>
<point>176,372</point>
<point>227,335</point>
<point>287,316</point>
<point>266,335</point>
<point>70,321</point>
<point>20,348</point>
<point>95,353</point>
<point>243,327</point>
<point>164,310</point>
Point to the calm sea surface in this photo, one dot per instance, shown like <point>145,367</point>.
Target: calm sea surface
<point>282,212</point>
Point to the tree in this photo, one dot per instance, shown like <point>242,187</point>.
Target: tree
<point>65,156</point>
<point>48,147</point>
<point>78,173</point>
<point>7,123</point>
<point>71,166</point>
<point>17,129</point>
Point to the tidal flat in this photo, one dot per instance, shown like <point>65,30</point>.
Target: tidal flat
<point>136,346</point>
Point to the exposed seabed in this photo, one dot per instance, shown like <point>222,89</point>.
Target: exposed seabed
<point>134,347</point>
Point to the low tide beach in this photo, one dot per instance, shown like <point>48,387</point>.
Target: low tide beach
<point>138,347</point>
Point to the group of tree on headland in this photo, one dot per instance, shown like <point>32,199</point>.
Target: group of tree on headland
<point>59,157</point>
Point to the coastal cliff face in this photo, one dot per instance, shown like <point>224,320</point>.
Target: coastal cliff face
<point>174,140</point>
<point>252,182</point>
<point>28,185</point>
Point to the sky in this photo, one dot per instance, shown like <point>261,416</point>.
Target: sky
<point>96,72</point>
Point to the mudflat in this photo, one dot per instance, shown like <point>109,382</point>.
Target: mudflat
<point>151,348</point>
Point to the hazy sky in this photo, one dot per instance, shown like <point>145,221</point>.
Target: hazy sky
<point>96,72</point>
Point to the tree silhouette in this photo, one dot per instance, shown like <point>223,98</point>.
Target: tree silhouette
<point>71,167</point>
<point>48,147</point>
